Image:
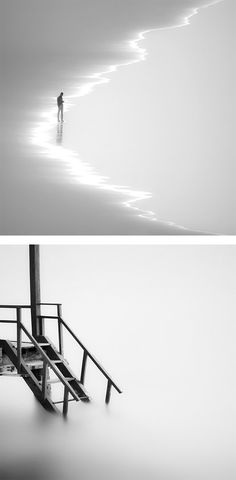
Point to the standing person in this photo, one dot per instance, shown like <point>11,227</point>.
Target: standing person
<point>60,102</point>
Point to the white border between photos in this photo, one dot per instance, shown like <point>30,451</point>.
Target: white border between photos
<point>118,240</point>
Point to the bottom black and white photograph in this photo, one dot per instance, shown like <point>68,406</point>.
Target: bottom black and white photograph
<point>117,362</point>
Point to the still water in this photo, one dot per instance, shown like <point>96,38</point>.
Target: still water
<point>161,321</point>
<point>160,428</point>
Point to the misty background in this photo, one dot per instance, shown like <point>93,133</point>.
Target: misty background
<point>161,321</point>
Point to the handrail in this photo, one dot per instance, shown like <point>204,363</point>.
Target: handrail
<point>86,352</point>
<point>61,323</point>
<point>15,306</point>
<point>46,360</point>
<point>49,304</point>
<point>8,321</point>
<point>90,356</point>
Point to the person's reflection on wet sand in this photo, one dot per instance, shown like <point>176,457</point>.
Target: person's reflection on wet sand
<point>59,135</point>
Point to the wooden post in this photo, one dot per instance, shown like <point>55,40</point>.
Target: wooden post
<point>18,318</point>
<point>35,299</point>
<point>108,392</point>
<point>44,380</point>
<point>83,368</point>
<point>60,331</point>
<point>65,402</point>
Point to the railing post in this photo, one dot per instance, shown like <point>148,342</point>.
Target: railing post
<point>18,318</point>
<point>108,392</point>
<point>65,402</point>
<point>36,321</point>
<point>83,367</point>
<point>44,380</point>
<point>60,330</point>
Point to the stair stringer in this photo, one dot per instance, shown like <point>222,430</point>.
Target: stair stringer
<point>28,377</point>
<point>66,370</point>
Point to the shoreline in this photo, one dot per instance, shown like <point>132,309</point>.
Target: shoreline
<point>80,170</point>
<point>48,188</point>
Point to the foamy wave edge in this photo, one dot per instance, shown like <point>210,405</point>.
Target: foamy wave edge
<point>80,171</point>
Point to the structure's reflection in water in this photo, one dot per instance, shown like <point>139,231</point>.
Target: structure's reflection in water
<point>59,134</point>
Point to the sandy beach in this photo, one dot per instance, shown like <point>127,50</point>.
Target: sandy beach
<point>46,188</point>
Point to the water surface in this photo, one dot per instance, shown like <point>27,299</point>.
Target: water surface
<point>161,321</point>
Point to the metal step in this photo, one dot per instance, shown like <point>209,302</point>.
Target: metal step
<point>24,345</point>
<point>34,364</point>
<point>57,380</point>
<point>29,345</point>
<point>62,401</point>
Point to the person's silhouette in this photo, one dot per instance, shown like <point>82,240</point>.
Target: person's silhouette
<point>60,102</point>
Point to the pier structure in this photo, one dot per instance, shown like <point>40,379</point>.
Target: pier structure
<point>34,357</point>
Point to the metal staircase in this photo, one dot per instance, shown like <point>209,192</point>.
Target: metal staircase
<point>35,359</point>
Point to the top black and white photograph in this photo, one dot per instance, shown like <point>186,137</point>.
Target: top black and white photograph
<point>117,117</point>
